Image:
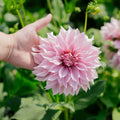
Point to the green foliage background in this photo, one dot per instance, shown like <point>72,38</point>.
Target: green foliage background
<point>24,98</point>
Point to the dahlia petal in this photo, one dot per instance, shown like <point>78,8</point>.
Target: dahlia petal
<point>75,74</point>
<point>42,74</point>
<point>46,64</point>
<point>111,30</point>
<point>52,77</point>
<point>81,66</point>
<point>35,49</point>
<point>37,58</point>
<point>73,84</point>
<point>55,68</point>
<point>50,84</point>
<point>55,89</point>
<point>67,90</point>
<point>61,42</point>
<point>117,44</point>
<point>63,32</point>
<point>63,72</point>
<point>40,78</point>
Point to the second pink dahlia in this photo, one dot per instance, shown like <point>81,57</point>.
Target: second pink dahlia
<point>66,61</point>
<point>111,31</point>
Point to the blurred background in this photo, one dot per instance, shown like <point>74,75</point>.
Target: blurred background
<point>24,98</point>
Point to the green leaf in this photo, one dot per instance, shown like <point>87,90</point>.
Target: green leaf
<point>35,103</point>
<point>1,8</point>
<point>16,83</point>
<point>70,6</point>
<point>1,92</point>
<point>52,114</point>
<point>61,106</point>
<point>9,78</point>
<point>70,106</point>
<point>97,36</point>
<point>59,12</point>
<point>2,112</point>
<point>8,17</point>
<point>23,84</point>
<point>4,28</point>
<point>13,103</point>
<point>101,115</point>
<point>8,4</point>
<point>36,99</point>
<point>115,114</point>
<point>31,112</point>
<point>107,101</point>
<point>83,100</point>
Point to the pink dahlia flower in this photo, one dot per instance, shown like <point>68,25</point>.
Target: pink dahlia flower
<point>115,61</point>
<point>117,44</point>
<point>66,61</point>
<point>111,30</point>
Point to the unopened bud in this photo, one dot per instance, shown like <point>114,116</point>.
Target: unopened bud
<point>77,9</point>
<point>106,18</point>
<point>95,10</point>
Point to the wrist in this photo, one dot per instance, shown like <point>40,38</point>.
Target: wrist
<point>6,46</point>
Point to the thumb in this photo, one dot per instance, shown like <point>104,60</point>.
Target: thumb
<point>39,24</point>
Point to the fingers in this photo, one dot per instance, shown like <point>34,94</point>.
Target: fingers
<point>39,24</point>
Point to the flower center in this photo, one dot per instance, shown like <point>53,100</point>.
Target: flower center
<point>68,59</point>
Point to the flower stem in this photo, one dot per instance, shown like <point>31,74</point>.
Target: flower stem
<point>65,1</point>
<point>66,114</point>
<point>20,18</point>
<point>49,6</point>
<point>57,98</point>
<point>85,26</point>
<point>65,109</point>
<point>23,9</point>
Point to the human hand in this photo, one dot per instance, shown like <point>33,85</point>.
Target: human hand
<point>22,42</point>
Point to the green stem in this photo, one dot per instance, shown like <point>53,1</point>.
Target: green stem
<point>49,97</point>
<point>66,110</point>
<point>20,18</point>
<point>66,114</point>
<point>57,98</point>
<point>47,93</point>
<point>52,96</point>
<point>23,9</point>
<point>59,14</point>
<point>65,1</point>
<point>50,8</point>
<point>85,26</point>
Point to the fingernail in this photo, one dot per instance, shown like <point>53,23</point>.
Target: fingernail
<point>49,15</point>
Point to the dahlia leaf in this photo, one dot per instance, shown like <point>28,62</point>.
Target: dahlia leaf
<point>115,114</point>
<point>1,92</point>
<point>60,14</point>
<point>31,112</point>
<point>13,103</point>
<point>2,114</point>
<point>52,114</point>
<point>62,105</point>
<point>83,100</point>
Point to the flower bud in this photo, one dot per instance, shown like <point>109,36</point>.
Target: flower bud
<point>95,10</point>
<point>77,9</point>
<point>106,18</point>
